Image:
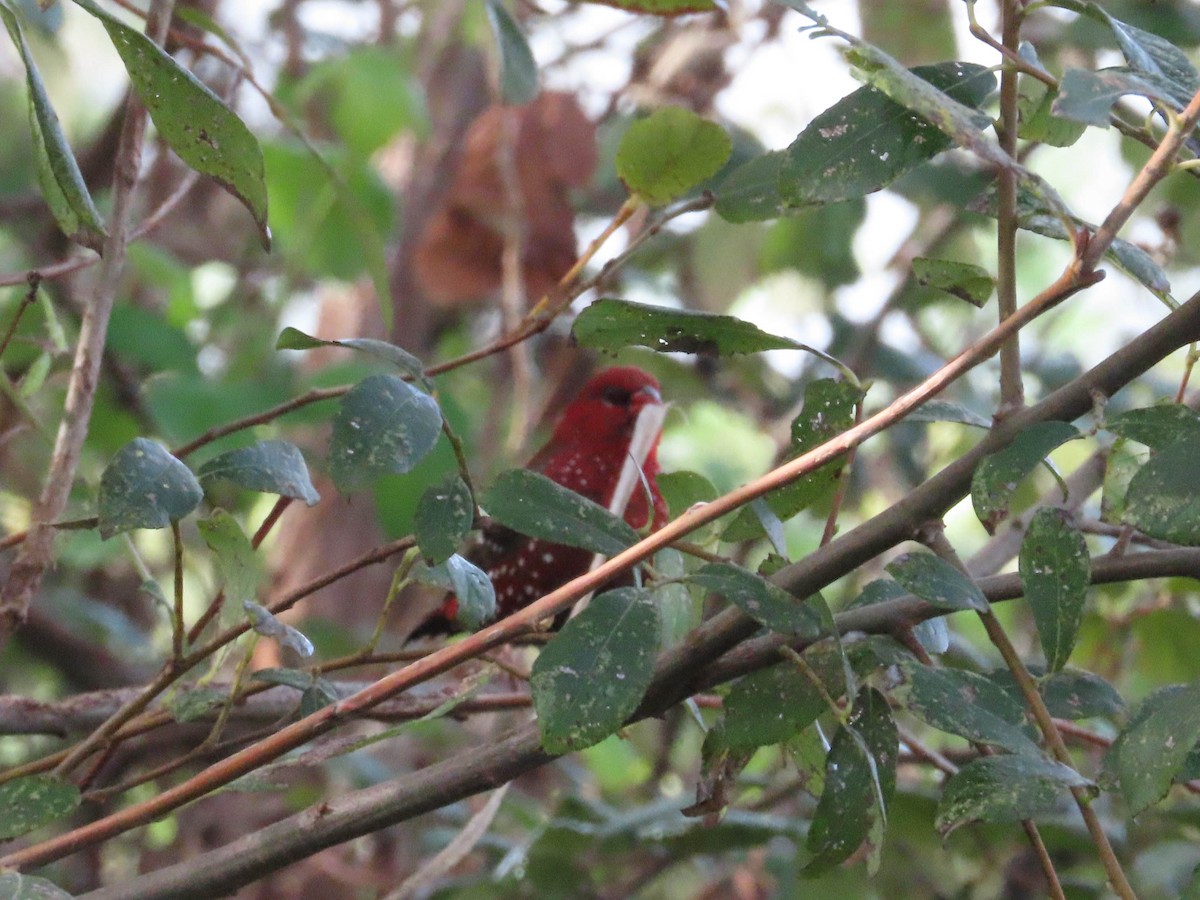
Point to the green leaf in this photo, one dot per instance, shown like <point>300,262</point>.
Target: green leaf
<point>444,516</point>
<point>592,676</point>
<point>384,426</point>
<point>947,411</point>
<point>867,140</point>
<point>1121,463</point>
<point>760,599</point>
<point>969,705</point>
<point>271,467</point>
<point>962,280</point>
<point>610,324</point>
<point>860,778</point>
<point>15,886</point>
<point>750,193</point>
<point>1004,789</point>
<point>144,486</point>
<point>998,475</point>
<point>58,173</point>
<point>776,704</point>
<point>817,241</point>
<point>1162,500</point>
<point>669,152</point>
<point>1038,122</point>
<point>1154,746</point>
<point>932,633</point>
<point>34,801</point>
<point>937,582</point>
<point>470,586</point>
<point>1158,427</point>
<point>194,122</point>
<point>1071,694</point>
<point>828,411</point>
<point>1088,97</point>
<point>529,502</point>
<point>295,339</point>
<point>518,71</point>
<point>237,562</point>
<point>1055,573</point>
<point>264,622</point>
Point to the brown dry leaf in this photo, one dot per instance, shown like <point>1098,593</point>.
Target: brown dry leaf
<point>554,150</point>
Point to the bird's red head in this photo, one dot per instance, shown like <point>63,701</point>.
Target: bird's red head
<point>606,409</point>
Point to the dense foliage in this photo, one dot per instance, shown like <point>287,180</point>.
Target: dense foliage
<point>287,298</point>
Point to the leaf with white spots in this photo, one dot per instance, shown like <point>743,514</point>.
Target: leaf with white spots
<point>1161,499</point>
<point>443,519</point>
<point>998,475</point>
<point>1055,573</point>
<point>34,801</point>
<point>775,704</point>
<point>191,119</point>
<point>1005,788</point>
<point>592,676</point>
<point>145,487</point>
<point>530,503</point>
<point>965,703</point>
<point>866,140</point>
<point>937,582</point>
<point>759,599</point>
<point>860,778</point>
<point>1154,746</point>
<point>384,426</point>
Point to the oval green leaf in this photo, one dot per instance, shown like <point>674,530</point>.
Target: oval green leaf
<point>1153,747</point>
<point>966,281</point>
<point>271,467</point>
<point>144,486</point>
<point>969,705</point>
<point>860,778</point>
<point>997,477</point>
<point>776,704</point>
<point>1162,500</point>
<point>1056,570</point>
<point>1004,789</point>
<point>529,502</point>
<point>760,599</point>
<point>937,582</point>
<point>58,173</point>
<point>384,426</point>
<point>194,122</point>
<point>444,516</point>
<point>867,140</point>
<point>669,152</point>
<point>591,677</point>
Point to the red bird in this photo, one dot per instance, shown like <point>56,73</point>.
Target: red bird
<point>585,453</point>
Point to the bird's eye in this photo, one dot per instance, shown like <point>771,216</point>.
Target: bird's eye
<point>617,396</point>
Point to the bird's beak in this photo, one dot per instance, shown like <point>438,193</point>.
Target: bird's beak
<point>649,395</point>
